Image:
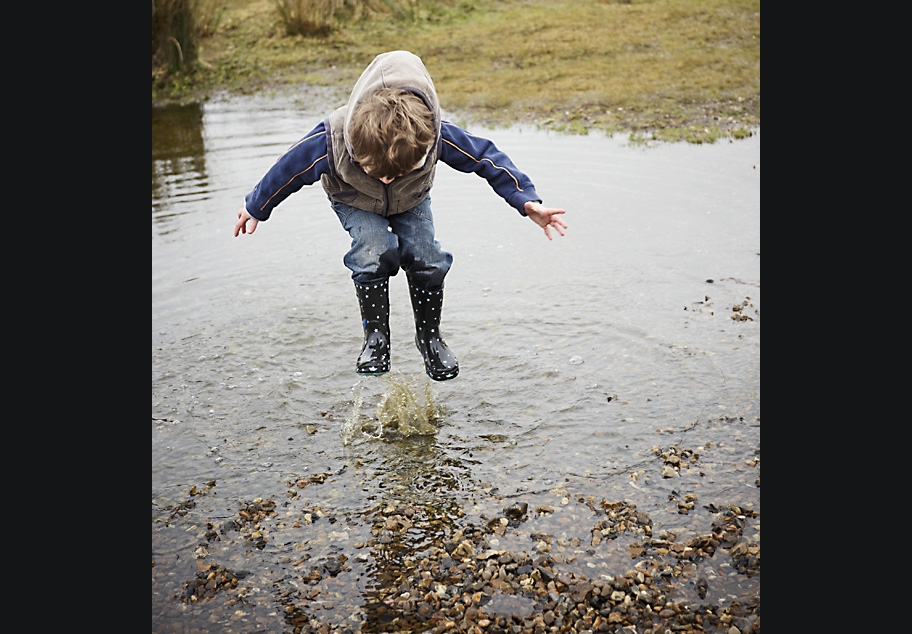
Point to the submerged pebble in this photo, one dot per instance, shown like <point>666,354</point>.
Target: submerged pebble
<point>424,579</point>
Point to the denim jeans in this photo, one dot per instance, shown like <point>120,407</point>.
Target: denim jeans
<point>381,246</point>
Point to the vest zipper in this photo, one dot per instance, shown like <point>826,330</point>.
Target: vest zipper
<point>386,201</point>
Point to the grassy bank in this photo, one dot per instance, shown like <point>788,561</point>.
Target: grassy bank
<point>655,69</point>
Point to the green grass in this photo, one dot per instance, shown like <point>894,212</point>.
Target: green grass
<point>663,70</point>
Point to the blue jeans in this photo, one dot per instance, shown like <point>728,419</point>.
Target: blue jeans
<point>381,246</point>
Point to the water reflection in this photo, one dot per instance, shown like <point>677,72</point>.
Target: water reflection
<point>178,161</point>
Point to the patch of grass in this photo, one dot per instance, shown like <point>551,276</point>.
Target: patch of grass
<point>657,70</point>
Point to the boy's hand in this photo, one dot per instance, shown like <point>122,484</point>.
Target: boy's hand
<point>241,225</point>
<point>545,217</point>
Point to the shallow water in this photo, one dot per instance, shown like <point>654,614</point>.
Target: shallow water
<point>581,361</point>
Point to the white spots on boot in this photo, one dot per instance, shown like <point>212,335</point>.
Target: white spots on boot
<point>375,315</point>
<point>440,364</point>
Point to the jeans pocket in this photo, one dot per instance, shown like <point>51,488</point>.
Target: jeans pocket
<point>342,210</point>
<point>422,210</point>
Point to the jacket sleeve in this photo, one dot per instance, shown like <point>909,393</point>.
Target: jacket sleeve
<point>302,164</point>
<point>468,153</point>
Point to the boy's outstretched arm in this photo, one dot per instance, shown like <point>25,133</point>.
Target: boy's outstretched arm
<point>544,217</point>
<point>245,223</point>
<point>301,164</point>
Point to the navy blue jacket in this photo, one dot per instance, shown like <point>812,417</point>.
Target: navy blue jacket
<point>308,159</point>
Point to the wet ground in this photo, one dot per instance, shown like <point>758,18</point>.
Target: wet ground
<point>594,467</point>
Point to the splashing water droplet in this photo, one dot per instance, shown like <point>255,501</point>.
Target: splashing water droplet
<point>400,409</point>
<point>400,412</point>
<point>351,426</point>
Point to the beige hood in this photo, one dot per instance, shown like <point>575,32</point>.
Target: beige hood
<point>395,69</point>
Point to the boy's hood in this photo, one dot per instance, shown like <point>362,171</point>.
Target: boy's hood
<point>395,69</point>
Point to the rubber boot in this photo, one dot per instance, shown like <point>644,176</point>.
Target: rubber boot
<point>439,362</point>
<point>374,301</point>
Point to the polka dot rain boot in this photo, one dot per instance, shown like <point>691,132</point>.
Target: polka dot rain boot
<point>374,301</point>
<point>439,362</point>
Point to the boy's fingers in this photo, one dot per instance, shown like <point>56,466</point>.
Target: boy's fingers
<point>241,225</point>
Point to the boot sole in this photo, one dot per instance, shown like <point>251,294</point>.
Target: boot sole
<point>445,377</point>
<point>371,372</point>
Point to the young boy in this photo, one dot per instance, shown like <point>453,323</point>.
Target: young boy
<point>376,158</point>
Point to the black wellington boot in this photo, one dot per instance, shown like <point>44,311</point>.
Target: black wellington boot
<point>439,362</point>
<point>374,301</point>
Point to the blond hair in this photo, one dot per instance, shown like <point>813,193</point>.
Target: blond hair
<point>391,131</point>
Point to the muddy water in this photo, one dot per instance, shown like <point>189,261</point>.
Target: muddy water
<point>587,364</point>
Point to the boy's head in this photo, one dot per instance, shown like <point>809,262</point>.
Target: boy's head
<point>391,132</point>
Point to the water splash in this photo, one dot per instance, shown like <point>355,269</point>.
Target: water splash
<point>352,424</point>
<point>401,412</point>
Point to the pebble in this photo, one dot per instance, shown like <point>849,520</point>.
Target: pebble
<point>472,578</point>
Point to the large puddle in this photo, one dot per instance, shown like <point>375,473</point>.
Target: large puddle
<point>614,370</point>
